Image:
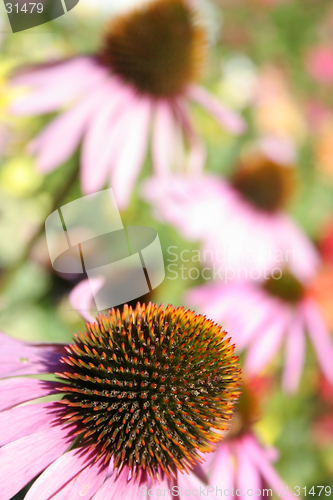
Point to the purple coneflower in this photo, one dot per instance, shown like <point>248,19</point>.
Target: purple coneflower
<point>144,73</point>
<point>265,314</point>
<point>142,395</point>
<point>241,222</point>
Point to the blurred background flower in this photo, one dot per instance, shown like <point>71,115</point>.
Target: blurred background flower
<point>148,63</point>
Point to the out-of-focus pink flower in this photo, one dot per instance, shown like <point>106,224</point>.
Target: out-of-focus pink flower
<point>108,435</point>
<point>265,315</point>
<point>144,76</point>
<point>240,222</point>
<point>241,461</point>
<point>319,62</point>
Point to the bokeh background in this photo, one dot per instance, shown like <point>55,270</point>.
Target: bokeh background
<point>279,48</point>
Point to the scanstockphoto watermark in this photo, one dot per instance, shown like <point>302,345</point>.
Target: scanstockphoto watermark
<point>24,15</point>
<point>215,491</point>
<point>209,265</point>
<point>209,492</point>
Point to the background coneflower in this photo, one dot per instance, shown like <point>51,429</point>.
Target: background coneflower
<point>267,313</point>
<point>241,222</point>
<point>241,461</point>
<point>144,73</point>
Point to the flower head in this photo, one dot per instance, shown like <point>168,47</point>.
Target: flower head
<point>240,222</point>
<point>144,74</point>
<point>263,183</point>
<point>158,49</point>
<point>145,393</point>
<point>149,386</point>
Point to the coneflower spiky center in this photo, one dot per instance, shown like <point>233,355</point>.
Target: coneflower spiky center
<point>264,184</point>
<point>148,387</point>
<point>287,287</point>
<point>158,48</point>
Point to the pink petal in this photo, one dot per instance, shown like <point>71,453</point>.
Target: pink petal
<point>66,131</point>
<point>259,316</point>
<point>223,476</point>
<point>82,299</point>
<point>85,484</point>
<point>280,149</point>
<point>132,151</point>
<point>320,338</point>
<point>163,138</point>
<point>18,358</point>
<point>112,140</point>
<point>268,473</point>
<point>267,345</point>
<point>247,473</point>
<point>50,74</point>
<point>295,355</point>
<point>57,86</point>
<point>229,119</point>
<point>25,420</point>
<point>197,151</point>
<point>189,483</point>
<point>59,473</point>
<point>27,457</point>
<point>303,258</point>
<point>95,166</point>
<point>15,391</point>
<point>118,487</point>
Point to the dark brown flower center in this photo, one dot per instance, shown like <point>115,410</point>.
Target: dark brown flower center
<point>158,48</point>
<point>264,184</point>
<point>287,287</point>
<point>149,387</point>
<point>247,413</point>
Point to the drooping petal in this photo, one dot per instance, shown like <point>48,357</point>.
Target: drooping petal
<point>320,337</point>
<point>56,85</point>
<point>302,256</point>
<point>59,473</point>
<point>58,141</point>
<point>295,354</point>
<point>19,358</point>
<point>50,74</point>
<point>25,420</point>
<point>197,152</point>
<point>223,475</point>
<point>248,477</point>
<point>229,119</point>
<point>264,467</point>
<point>85,484</point>
<point>192,486</point>
<point>14,391</point>
<point>133,135</point>
<point>82,299</point>
<point>94,164</point>
<point>163,142</point>
<point>24,459</point>
<point>118,486</point>
<point>267,345</point>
